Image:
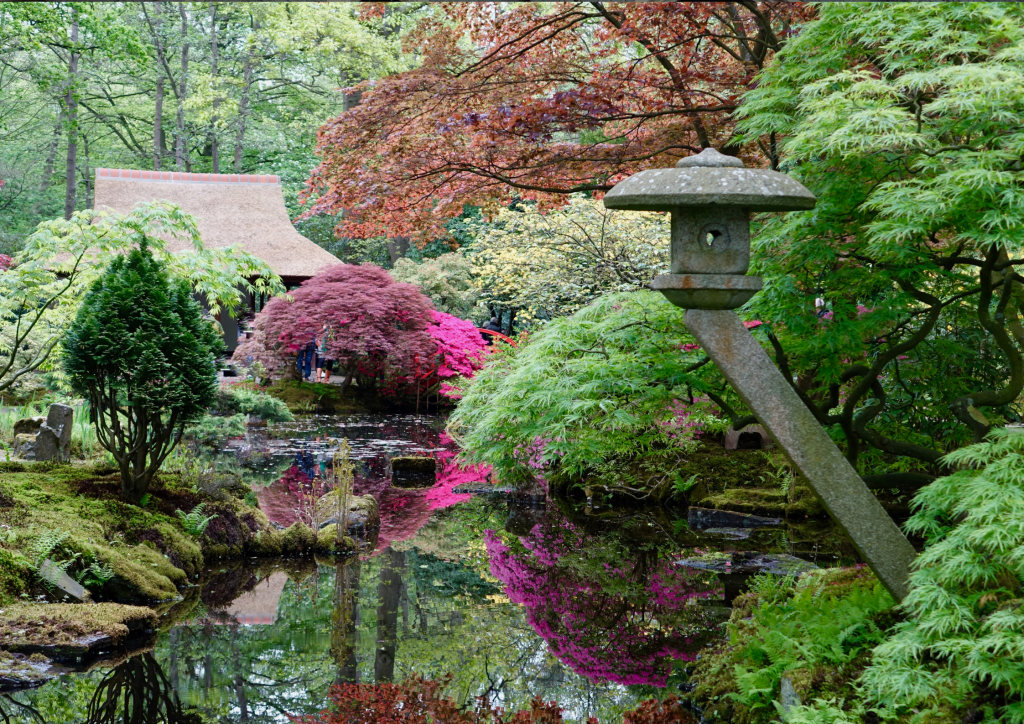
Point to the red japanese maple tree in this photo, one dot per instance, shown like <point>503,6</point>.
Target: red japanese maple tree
<point>540,100</point>
<point>375,325</point>
<point>422,701</point>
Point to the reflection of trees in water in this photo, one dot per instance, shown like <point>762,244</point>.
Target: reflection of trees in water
<point>138,692</point>
<point>389,595</point>
<point>345,619</point>
<point>9,709</point>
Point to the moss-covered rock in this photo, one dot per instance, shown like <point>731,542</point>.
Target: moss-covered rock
<point>327,541</point>
<point>267,543</point>
<point>297,539</point>
<point>15,576</point>
<point>754,501</point>
<point>141,574</point>
<point>312,397</point>
<point>363,512</point>
<point>70,630</point>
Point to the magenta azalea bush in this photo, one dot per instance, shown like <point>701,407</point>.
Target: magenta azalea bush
<point>461,350</point>
<point>607,614</point>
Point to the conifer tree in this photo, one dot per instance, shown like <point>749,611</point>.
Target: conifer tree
<point>140,352</point>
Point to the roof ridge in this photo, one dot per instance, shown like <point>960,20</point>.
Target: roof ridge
<point>126,174</point>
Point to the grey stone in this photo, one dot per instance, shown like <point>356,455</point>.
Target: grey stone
<point>805,443</point>
<point>47,445</point>
<point>707,291</point>
<point>704,518</point>
<point>24,446</point>
<point>60,419</point>
<point>710,240</point>
<point>667,189</point>
<point>732,437</point>
<point>45,438</point>
<point>729,533</point>
<point>59,579</point>
<point>788,697</point>
<point>709,157</point>
<point>28,425</point>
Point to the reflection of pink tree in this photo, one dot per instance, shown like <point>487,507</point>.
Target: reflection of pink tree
<point>606,616</point>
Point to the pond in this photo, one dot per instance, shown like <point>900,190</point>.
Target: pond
<point>589,608</point>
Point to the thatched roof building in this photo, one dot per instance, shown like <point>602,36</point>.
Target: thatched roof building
<point>242,209</point>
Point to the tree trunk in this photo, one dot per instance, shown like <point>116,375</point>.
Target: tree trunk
<point>214,150</point>
<point>398,248</point>
<point>179,149</point>
<point>71,104</point>
<point>158,125</point>
<point>243,102</point>
<point>51,157</point>
<point>86,179</point>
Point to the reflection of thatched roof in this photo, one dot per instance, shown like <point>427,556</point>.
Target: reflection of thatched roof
<point>259,606</point>
<point>230,208</point>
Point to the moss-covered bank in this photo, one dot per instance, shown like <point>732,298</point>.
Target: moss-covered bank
<point>73,514</point>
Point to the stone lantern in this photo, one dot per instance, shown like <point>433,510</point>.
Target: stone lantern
<point>711,197</point>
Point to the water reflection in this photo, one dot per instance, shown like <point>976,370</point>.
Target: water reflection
<point>563,603</point>
<point>137,691</point>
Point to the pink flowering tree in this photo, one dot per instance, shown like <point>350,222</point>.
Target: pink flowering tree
<point>607,612</point>
<point>461,351</point>
<point>377,328</point>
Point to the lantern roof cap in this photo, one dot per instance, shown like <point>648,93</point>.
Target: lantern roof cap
<point>709,178</point>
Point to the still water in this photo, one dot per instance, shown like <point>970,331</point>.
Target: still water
<point>588,608</point>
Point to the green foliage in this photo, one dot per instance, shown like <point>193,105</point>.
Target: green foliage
<point>907,122</point>
<point>194,523</point>
<point>447,280</point>
<point>548,263</point>
<point>588,389</point>
<point>250,402</point>
<point>811,628</point>
<point>964,637</point>
<point>141,353</point>
<point>62,259</point>
<point>57,546</point>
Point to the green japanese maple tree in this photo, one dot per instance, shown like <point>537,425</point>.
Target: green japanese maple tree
<point>140,351</point>
<point>896,303</point>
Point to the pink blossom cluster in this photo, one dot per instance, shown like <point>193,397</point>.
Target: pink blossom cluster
<point>461,350</point>
<point>624,625</point>
<point>5,260</point>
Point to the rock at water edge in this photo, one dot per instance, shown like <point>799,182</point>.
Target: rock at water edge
<point>59,579</point>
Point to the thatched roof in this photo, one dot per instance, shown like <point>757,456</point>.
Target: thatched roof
<point>241,209</point>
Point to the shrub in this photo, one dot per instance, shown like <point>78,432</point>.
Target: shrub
<point>964,637</point>
<point>600,385</point>
<point>212,431</point>
<point>377,326</point>
<point>420,701</point>
<point>461,350</point>
<point>826,625</point>
<point>252,402</point>
<point>141,353</point>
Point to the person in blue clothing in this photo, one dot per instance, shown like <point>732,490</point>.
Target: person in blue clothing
<point>306,358</point>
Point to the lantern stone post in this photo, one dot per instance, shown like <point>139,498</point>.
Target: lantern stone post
<point>711,196</point>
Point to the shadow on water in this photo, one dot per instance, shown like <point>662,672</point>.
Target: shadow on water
<point>510,601</point>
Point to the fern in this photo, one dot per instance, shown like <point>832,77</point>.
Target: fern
<point>45,546</point>
<point>194,523</point>
<point>802,628</point>
<point>965,637</point>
